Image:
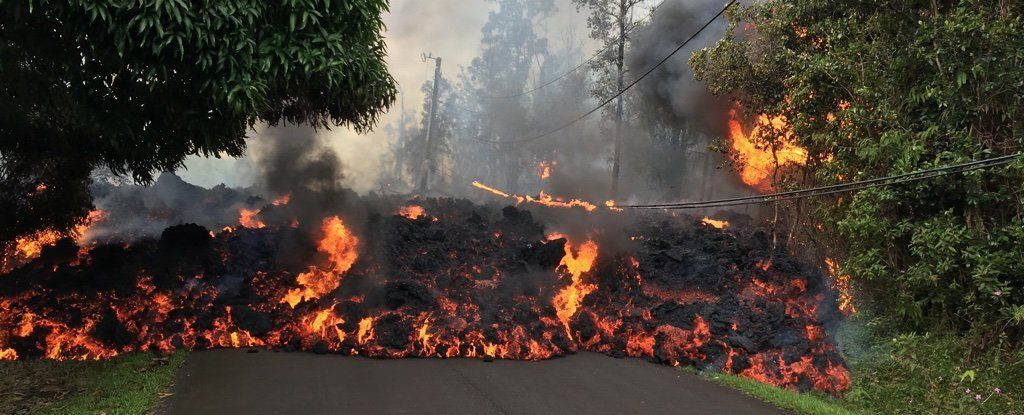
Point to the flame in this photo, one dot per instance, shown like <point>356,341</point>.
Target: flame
<point>610,204</point>
<point>720,224</point>
<point>546,200</point>
<point>26,328</point>
<point>544,168</point>
<point>365,330</point>
<point>842,285</point>
<point>616,311</point>
<point>27,248</point>
<point>576,261</point>
<point>758,160</point>
<point>542,199</point>
<point>247,218</point>
<point>424,338</point>
<point>412,212</point>
<point>281,201</point>
<point>340,246</point>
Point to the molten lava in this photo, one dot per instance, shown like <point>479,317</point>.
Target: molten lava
<point>340,246</point>
<point>412,211</point>
<point>475,282</point>
<point>29,247</point>
<point>720,224</point>
<point>248,218</point>
<point>577,261</point>
<point>759,157</point>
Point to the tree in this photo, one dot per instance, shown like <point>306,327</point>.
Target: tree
<point>873,89</point>
<point>508,49</point>
<point>408,150</point>
<point>139,86</point>
<point>611,21</point>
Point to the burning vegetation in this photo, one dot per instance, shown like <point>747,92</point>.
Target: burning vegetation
<point>758,158</point>
<point>464,281</point>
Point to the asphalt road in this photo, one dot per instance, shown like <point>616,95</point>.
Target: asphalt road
<point>228,382</point>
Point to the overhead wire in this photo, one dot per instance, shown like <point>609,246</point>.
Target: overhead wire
<point>577,67</point>
<point>837,188</point>
<point>620,92</point>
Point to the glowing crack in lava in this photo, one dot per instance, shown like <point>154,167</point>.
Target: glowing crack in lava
<point>476,282</point>
<point>412,211</point>
<point>758,160</point>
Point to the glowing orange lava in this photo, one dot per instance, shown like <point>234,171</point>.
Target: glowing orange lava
<point>720,224</point>
<point>281,201</point>
<point>340,246</point>
<point>577,261</point>
<point>757,157</point>
<point>412,211</point>
<point>27,248</point>
<point>247,218</point>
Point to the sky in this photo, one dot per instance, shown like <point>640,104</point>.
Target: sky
<point>446,28</point>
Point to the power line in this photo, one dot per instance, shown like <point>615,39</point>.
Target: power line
<point>838,188</point>
<point>581,65</point>
<point>842,185</point>
<point>623,91</point>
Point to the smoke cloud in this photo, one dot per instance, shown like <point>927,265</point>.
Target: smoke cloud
<point>671,91</point>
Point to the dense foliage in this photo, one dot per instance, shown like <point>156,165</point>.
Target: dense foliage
<point>138,85</point>
<point>874,88</point>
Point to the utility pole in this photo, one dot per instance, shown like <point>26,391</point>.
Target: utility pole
<point>427,166</point>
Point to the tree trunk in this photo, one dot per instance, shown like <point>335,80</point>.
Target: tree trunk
<point>619,63</point>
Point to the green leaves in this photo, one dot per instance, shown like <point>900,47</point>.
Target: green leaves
<point>908,88</point>
<point>141,84</point>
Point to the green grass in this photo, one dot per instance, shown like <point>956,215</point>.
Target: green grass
<point>909,374</point>
<point>130,384</point>
<point>800,403</point>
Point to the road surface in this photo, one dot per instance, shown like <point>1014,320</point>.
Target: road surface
<point>226,382</point>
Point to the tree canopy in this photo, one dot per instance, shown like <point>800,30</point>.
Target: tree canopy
<point>874,88</point>
<point>139,85</point>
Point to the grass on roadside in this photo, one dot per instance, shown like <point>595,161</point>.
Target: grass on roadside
<point>800,403</point>
<point>130,384</point>
<point>908,374</point>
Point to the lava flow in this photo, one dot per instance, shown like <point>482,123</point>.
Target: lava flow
<point>464,281</point>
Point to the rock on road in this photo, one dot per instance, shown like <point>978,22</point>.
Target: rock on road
<point>226,382</point>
